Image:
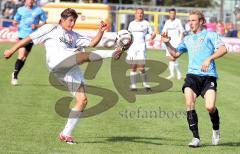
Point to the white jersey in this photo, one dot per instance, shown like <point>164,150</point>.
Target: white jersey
<point>59,43</point>
<point>139,30</point>
<point>61,47</point>
<point>174,29</point>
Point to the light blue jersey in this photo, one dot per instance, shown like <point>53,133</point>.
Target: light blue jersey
<point>26,17</point>
<point>199,47</point>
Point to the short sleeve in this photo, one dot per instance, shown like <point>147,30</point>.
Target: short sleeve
<point>82,41</point>
<point>180,26</point>
<point>182,47</point>
<point>216,40</point>
<point>40,35</point>
<point>130,27</point>
<point>43,16</point>
<point>150,31</point>
<point>17,16</point>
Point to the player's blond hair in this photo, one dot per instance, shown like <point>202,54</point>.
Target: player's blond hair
<point>199,14</point>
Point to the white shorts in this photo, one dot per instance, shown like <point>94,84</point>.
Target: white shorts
<point>174,44</point>
<point>136,55</point>
<point>69,74</point>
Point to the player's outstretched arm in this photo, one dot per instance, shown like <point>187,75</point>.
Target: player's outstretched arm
<point>8,53</point>
<point>98,37</point>
<point>221,51</point>
<point>170,48</point>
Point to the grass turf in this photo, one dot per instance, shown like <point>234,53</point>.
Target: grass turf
<point>154,123</point>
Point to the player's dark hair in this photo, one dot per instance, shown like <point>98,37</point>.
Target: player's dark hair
<point>140,9</point>
<point>200,15</point>
<point>172,9</point>
<point>69,13</point>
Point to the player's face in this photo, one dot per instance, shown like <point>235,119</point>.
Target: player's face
<point>172,15</point>
<point>194,23</point>
<point>29,3</point>
<point>68,23</point>
<point>139,15</point>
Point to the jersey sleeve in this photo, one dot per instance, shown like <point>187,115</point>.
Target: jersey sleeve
<point>130,27</point>
<point>164,27</point>
<point>180,26</point>
<point>216,40</point>
<point>182,47</point>
<point>82,41</point>
<point>43,16</point>
<point>40,35</point>
<point>150,30</point>
<point>17,16</point>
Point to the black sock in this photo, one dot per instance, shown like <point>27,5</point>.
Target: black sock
<point>193,122</point>
<point>18,66</point>
<point>215,119</point>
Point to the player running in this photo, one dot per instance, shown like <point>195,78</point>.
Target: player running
<point>28,18</point>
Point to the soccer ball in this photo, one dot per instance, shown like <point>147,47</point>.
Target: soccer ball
<point>124,39</point>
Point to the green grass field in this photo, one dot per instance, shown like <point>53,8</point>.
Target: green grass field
<point>30,124</point>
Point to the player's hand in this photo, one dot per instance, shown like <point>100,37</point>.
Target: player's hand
<point>165,38</point>
<point>103,26</point>
<point>7,54</point>
<point>205,65</point>
<point>151,42</point>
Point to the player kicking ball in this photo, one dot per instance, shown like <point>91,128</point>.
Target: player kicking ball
<point>203,48</point>
<point>64,52</point>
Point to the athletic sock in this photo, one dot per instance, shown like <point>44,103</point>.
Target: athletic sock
<point>176,66</point>
<point>133,78</point>
<point>72,121</point>
<point>171,68</point>
<point>100,54</point>
<point>18,66</point>
<point>144,79</point>
<point>215,119</point>
<point>193,123</point>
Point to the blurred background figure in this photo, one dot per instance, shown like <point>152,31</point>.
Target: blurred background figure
<point>211,26</point>
<point>9,8</point>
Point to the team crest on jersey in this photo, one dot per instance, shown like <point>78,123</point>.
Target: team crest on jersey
<point>201,40</point>
<point>67,42</point>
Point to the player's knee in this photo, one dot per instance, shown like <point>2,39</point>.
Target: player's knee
<point>82,100</point>
<point>210,109</point>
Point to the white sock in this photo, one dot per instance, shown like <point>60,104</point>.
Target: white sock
<point>72,121</point>
<point>100,54</point>
<point>144,79</point>
<point>176,65</point>
<point>171,68</point>
<point>133,78</point>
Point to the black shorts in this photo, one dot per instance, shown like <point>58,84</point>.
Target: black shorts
<point>200,84</point>
<point>28,46</point>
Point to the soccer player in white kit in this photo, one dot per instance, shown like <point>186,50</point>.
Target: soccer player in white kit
<point>174,28</point>
<point>136,54</point>
<point>64,54</point>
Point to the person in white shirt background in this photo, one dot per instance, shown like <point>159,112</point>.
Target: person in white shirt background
<point>173,27</point>
<point>136,54</point>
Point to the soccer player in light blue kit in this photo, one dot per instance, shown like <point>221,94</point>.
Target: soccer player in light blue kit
<point>203,48</point>
<point>28,18</point>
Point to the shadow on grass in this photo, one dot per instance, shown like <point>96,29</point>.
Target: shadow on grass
<point>135,139</point>
<point>227,144</point>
